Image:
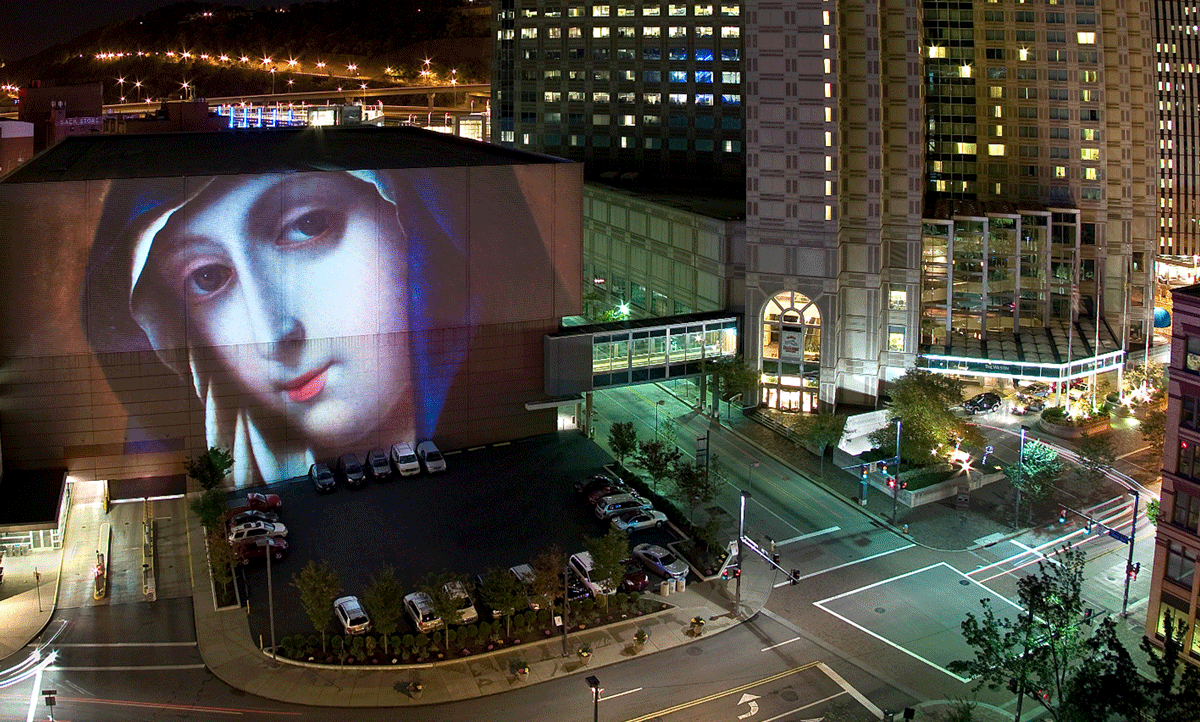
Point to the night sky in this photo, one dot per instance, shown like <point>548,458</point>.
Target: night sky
<point>30,26</point>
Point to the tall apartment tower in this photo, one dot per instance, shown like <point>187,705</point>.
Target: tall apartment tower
<point>1174,583</point>
<point>1177,47</point>
<point>964,186</point>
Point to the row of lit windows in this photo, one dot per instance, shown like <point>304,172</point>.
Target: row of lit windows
<point>629,11</point>
<point>1087,193</point>
<point>1053,75</point>
<point>1030,16</point>
<point>702,122</point>
<point>728,77</point>
<point>647,98</point>
<point>603,31</point>
<point>1002,169</point>
<point>575,140</point>
<point>940,52</point>
<point>1000,149</point>
<point>702,55</point>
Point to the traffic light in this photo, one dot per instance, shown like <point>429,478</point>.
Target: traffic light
<point>1087,616</point>
<point>883,467</point>
<point>1132,570</point>
<point>1062,515</point>
<point>891,480</point>
<point>864,472</point>
<point>904,485</point>
<point>1087,526</point>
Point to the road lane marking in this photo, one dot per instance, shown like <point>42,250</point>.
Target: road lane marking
<point>621,694</point>
<point>773,646</point>
<point>809,535</point>
<point>126,644</point>
<point>146,668</point>
<point>175,707</point>
<point>810,704</point>
<point>847,564</point>
<point>719,695</point>
<point>850,690</point>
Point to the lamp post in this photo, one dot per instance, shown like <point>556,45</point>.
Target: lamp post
<point>750,479</point>
<point>657,404</point>
<point>594,683</point>
<point>1020,477</point>
<point>566,603</point>
<point>271,596</point>
<point>737,586</point>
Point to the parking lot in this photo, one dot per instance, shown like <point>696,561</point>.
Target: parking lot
<point>495,507</point>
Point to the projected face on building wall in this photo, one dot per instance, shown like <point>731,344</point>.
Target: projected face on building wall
<point>284,301</point>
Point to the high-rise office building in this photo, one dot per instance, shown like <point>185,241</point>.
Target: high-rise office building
<point>964,186</point>
<point>1177,51</point>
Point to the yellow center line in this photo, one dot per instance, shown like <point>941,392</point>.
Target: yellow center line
<point>719,695</point>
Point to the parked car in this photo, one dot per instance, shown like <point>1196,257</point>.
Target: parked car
<point>660,561</point>
<point>431,459</point>
<point>524,574</point>
<point>467,614</point>
<point>256,529</point>
<point>247,551</point>
<point>237,517</point>
<point>321,477</point>
<point>638,519</point>
<point>376,465</point>
<point>351,615</point>
<point>404,459</point>
<point>420,610</point>
<point>263,502</point>
<point>635,579</point>
<point>589,484</point>
<point>351,471</point>
<point>612,505</point>
<point>982,403</point>
<point>608,490</point>
<point>577,590</point>
<point>581,565</point>
<point>1036,388</point>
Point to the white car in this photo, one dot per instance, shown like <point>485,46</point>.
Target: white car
<point>256,530</point>
<point>660,561</point>
<point>467,614</point>
<point>420,610</point>
<point>351,615</point>
<point>431,459</point>
<point>404,459</point>
<point>639,519</point>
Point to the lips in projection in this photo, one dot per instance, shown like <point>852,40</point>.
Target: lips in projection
<point>303,388</point>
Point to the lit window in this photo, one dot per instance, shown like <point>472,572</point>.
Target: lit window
<point>995,149</point>
<point>527,33</point>
<point>1086,38</point>
<point>731,77</point>
<point>704,31</point>
<point>733,146</point>
<point>828,90</point>
<point>652,98</point>
<point>828,139</point>
<point>600,31</point>
<point>824,17</point>
<point>936,51</point>
<point>554,33</point>
<point>1089,154</point>
<point>829,213</point>
<point>575,32</point>
<point>828,114</point>
<point>897,297</point>
<point>730,9</point>
<point>602,97</point>
<point>678,31</point>
<point>678,99</point>
<point>896,338</point>
<point>704,99</point>
<point>828,188</point>
<point>652,31</point>
<point>628,120</point>
<point>828,65</point>
<point>828,163</point>
<point>731,31</point>
<point>702,10</point>
<point>731,99</point>
<point>1060,171</point>
<point>600,11</point>
<point>678,10</point>
<point>1091,173</point>
<point>678,76</point>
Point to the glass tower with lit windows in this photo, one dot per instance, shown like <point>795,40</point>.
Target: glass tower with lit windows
<point>965,186</point>
<point>1177,50</point>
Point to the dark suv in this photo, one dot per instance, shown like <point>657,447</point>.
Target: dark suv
<point>351,471</point>
<point>982,403</point>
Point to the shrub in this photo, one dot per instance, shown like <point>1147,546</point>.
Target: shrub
<point>409,642</point>
<point>396,642</point>
<point>453,635</point>
<point>422,641</point>
<point>588,605</point>
<point>634,597</point>
<point>357,646</point>
<point>312,643</point>
<point>543,616</point>
<point>370,643</point>
<point>335,642</point>
<point>483,631</point>
<point>471,633</point>
<point>621,598</point>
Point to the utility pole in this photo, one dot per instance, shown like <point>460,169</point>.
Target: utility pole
<point>737,583</point>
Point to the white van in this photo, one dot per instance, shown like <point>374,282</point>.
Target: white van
<point>404,459</point>
<point>610,506</point>
<point>581,565</point>
<point>430,457</point>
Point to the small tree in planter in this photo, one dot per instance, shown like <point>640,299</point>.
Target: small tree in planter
<point>585,652</point>
<point>319,586</point>
<point>421,645</point>
<point>370,644</point>
<point>639,638</point>
<point>622,439</point>
<point>385,598</point>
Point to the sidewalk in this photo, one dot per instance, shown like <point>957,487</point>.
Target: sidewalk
<point>230,653</point>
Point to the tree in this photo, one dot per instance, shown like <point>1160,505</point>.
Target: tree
<point>1036,470</point>
<point>548,568</point>
<point>209,468</point>
<point>656,458</point>
<point>385,598</point>
<point>501,590</point>
<point>1096,456</point>
<point>622,439</point>
<point>319,586</point>
<point>822,430</point>
<point>693,485</point>
<point>1172,700</point>
<point>924,402</point>
<point>220,558</point>
<point>730,375</point>
<point>437,586</point>
<point>1107,683</point>
<point>1036,652</point>
<point>1154,429</point>
<point>609,553</point>
<point>210,508</point>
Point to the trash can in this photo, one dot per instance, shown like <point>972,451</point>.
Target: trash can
<point>664,589</point>
<point>680,584</point>
<point>674,584</point>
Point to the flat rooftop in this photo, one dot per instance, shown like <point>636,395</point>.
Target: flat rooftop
<point>251,152</point>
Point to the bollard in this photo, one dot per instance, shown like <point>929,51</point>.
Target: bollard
<point>664,589</point>
<point>906,528</point>
<point>680,585</point>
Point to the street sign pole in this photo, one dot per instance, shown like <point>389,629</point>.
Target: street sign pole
<point>1129,564</point>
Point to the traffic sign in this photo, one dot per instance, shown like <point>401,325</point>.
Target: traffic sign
<point>1118,536</point>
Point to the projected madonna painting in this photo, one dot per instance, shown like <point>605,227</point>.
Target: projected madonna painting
<point>293,317</point>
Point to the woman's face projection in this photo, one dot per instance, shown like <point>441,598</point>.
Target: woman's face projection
<point>270,269</point>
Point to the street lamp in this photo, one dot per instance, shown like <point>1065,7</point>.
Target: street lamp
<point>657,404</point>
<point>741,560</point>
<point>566,604</point>
<point>271,596</point>
<point>750,480</point>
<point>594,683</point>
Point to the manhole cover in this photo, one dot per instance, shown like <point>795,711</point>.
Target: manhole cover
<point>695,651</point>
<point>880,610</point>
<point>788,695</point>
<point>965,582</point>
